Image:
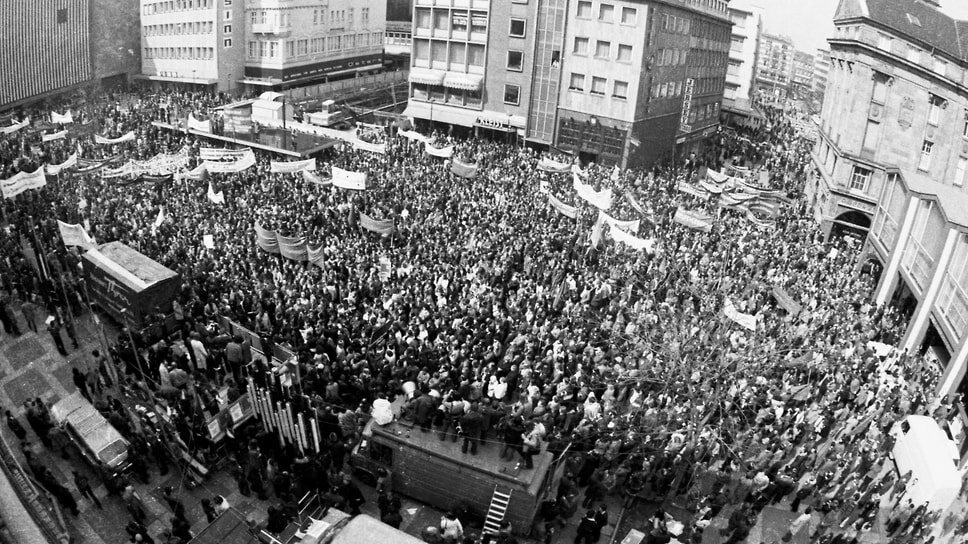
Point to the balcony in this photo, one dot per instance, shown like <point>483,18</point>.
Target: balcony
<point>271,28</point>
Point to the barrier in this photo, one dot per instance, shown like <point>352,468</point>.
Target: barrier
<point>44,512</point>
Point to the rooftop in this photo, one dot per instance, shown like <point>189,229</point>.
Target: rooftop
<point>916,20</point>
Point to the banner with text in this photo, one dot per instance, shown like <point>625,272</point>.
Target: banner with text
<point>565,209</point>
<point>126,137</point>
<point>21,182</point>
<point>346,179</point>
<point>282,167</point>
<point>375,225</point>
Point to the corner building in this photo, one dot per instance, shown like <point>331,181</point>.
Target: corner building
<point>608,80</point>
<point>892,158</point>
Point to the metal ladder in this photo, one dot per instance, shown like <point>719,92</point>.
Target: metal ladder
<point>496,511</point>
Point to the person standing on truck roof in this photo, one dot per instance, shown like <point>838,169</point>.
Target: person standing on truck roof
<point>450,527</point>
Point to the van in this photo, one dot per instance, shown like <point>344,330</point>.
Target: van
<point>98,441</point>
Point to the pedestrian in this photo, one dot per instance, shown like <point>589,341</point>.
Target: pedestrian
<point>471,425</point>
<point>176,506</point>
<point>59,441</point>
<point>589,531</point>
<point>208,510</point>
<point>80,382</point>
<point>14,424</point>
<point>30,310</point>
<point>798,524</point>
<point>8,318</point>
<point>84,488</point>
<point>53,327</point>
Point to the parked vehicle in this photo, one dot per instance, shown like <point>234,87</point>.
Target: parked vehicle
<point>98,441</point>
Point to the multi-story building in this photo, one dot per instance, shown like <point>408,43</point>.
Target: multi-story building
<point>399,33</point>
<point>294,42</point>
<point>51,46</point>
<point>618,81</point>
<point>747,19</point>
<point>775,65</point>
<point>193,42</point>
<point>821,67</point>
<point>801,78</point>
<point>892,159</point>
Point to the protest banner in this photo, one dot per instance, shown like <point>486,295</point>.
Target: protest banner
<point>266,239</point>
<point>75,235</point>
<point>463,169</point>
<point>693,219</point>
<point>292,247</point>
<point>566,210</point>
<point>747,321</point>
<point>628,226</point>
<point>14,127</point>
<point>55,136</point>
<point>70,162</point>
<point>698,192</point>
<point>281,167</point>
<point>600,199</point>
<point>247,160</point>
<point>413,135</point>
<point>553,166</point>
<point>59,119</point>
<point>198,124</point>
<point>632,241</point>
<point>375,225</point>
<point>785,301</point>
<point>346,179</point>
<point>22,181</point>
<point>315,178</point>
<point>216,198</point>
<point>220,154</point>
<point>442,152</point>
<point>126,137</point>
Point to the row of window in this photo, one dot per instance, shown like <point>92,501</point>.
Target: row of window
<point>692,57</point>
<point>620,89</point>
<point>179,5</point>
<point>184,53</point>
<point>603,49</point>
<point>310,46</point>
<point>606,13</point>
<point>446,95</point>
<point>179,29</point>
<point>456,21</point>
<point>455,53</point>
<point>397,38</point>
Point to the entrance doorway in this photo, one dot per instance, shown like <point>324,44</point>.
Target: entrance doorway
<point>852,224</point>
<point>904,300</point>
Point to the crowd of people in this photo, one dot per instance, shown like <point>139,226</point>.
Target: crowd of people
<point>511,322</point>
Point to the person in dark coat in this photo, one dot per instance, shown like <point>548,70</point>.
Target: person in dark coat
<point>471,425</point>
<point>423,411</point>
<point>84,488</point>
<point>15,426</point>
<point>588,529</point>
<point>53,327</point>
<point>352,495</point>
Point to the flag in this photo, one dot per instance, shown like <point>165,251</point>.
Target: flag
<point>217,198</point>
<point>596,237</point>
<point>208,241</point>
<point>161,217</point>
<point>75,235</point>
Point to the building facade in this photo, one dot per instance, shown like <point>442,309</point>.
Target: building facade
<point>193,42</point>
<point>775,65</point>
<point>821,69</point>
<point>294,42</point>
<point>747,19</point>
<point>892,159</point>
<point>398,40</point>
<point>801,78</point>
<point>51,46</point>
<point>608,80</point>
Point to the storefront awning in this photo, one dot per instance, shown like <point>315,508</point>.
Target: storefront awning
<point>426,77</point>
<point>441,113</point>
<point>464,82</point>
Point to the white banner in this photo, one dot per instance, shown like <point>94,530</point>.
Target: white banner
<point>317,179</point>
<point>246,161</point>
<point>196,173</point>
<point>55,136</point>
<point>627,226</point>
<point>747,321</point>
<point>345,179</point>
<point>367,146</point>
<point>565,209</point>
<point>220,154</point>
<point>53,170</point>
<point>22,181</point>
<point>75,235</point>
<point>217,198</point>
<point>196,124</point>
<point>15,127</point>
<point>307,165</point>
<point>600,199</point>
<point>59,119</point>
<point>126,137</point>
<point>121,171</point>
<point>632,241</point>
<point>413,135</point>
<point>551,165</point>
<point>444,152</point>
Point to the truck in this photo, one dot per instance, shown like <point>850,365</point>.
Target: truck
<point>330,115</point>
<point>98,441</point>
<point>436,472</point>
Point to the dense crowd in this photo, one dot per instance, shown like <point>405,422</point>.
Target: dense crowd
<point>511,323</point>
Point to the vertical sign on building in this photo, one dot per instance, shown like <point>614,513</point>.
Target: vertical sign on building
<point>686,106</point>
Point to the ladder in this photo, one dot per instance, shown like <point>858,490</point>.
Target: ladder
<point>496,511</point>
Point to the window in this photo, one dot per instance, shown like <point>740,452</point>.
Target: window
<point>872,136</point>
<point>629,16</point>
<point>252,49</point>
<point>602,49</point>
<point>458,52</point>
<point>934,110</point>
<point>964,130</point>
<point>440,20</point>
<point>581,48</point>
<point>960,172</point>
<point>624,53</point>
<point>227,29</point>
<point>598,85</point>
<point>515,61</point>
<point>606,12</point>
<point>512,94</point>
<point>860,178</point>
<point>517,28</point>
<point>620,90</point>
<point>475,55</point>
<point>880,89</point>
<point>227,15</point>
<point>423,19</point>
<point>459,21</point>
<point>925,162</point>
<point>584,9</point>
<point>577,82</point>
<point>227,42</point>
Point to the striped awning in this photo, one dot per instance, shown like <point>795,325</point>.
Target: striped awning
<point>426,77</point>
<point>464,82</point>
